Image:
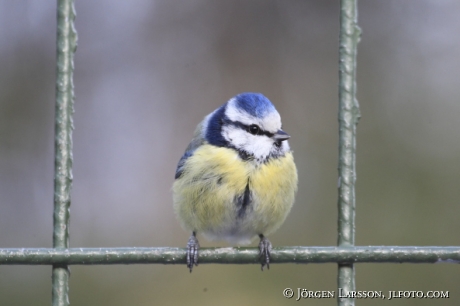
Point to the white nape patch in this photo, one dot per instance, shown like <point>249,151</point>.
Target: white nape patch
<point>271,122</point>
<point>258,145</point>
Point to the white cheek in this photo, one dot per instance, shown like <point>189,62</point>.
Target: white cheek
<point>259,146</point>
<point>237,137</point>
<point>233,135</point>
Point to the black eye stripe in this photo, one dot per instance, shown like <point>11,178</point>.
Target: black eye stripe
<point>246,127</point>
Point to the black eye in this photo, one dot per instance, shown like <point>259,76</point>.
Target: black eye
<point>254,129</point>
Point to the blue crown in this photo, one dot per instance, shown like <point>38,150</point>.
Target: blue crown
<point>255,104</point>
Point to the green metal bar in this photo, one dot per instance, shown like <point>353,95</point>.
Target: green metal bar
<point>66,45</point>
<point>348,119</point>
<point>110,256</point>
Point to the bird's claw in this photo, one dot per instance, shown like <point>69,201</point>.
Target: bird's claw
<point>265,247</point>
<point>192,252</point>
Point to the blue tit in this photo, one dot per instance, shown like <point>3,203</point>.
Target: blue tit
<point>237,178</point>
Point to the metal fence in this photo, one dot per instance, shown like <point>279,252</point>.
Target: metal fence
<point>345,254</point>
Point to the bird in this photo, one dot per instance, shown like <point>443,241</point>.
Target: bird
<point>237,178</point>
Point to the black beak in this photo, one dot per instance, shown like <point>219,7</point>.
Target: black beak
<point>281,135</point>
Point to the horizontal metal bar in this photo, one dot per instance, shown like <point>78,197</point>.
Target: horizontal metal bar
<point>109,256</point>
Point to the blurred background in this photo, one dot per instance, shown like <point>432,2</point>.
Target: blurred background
<point>146,72</point>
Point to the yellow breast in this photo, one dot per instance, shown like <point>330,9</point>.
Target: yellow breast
<point>213,178</point>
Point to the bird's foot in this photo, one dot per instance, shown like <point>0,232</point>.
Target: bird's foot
<point>192,251</point>
<point>265,247</point>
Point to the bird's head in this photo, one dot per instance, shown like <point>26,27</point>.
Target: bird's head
<point>250,124</point>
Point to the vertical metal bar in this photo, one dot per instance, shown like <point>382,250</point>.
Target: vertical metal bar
<point>66,45</point>
<point>348,118</point>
